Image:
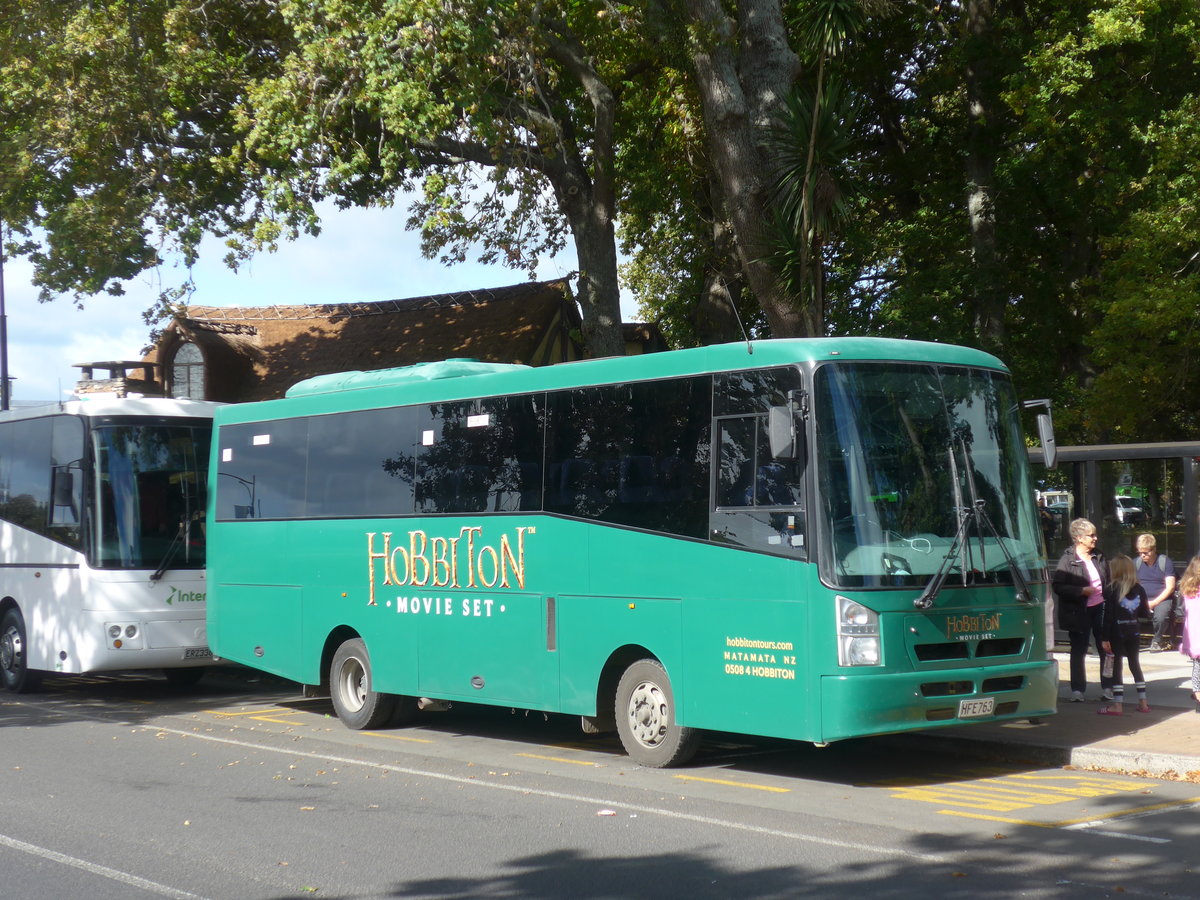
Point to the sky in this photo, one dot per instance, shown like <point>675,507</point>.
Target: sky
<point>360,255</point>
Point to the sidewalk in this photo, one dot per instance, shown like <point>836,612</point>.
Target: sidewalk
<point>1164,742</point>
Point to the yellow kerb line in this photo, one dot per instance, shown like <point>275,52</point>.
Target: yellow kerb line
<point>574,762</point>
<point>399,737</point>
<point>276,710</point>
<point>741,784</point>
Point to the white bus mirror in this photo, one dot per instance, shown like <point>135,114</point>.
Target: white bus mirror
<point>1045,426</point>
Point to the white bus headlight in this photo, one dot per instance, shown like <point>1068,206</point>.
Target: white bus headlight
<point>858,634</point>
<point>114,631</point>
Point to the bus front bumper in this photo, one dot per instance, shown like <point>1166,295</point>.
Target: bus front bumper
<point>869,703</point>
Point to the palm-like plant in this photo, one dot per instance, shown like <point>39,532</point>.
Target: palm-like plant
<point>811,144</point>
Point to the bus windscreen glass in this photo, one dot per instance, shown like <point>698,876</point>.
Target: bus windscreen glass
<point>910,457</point>
<point>150,495</point>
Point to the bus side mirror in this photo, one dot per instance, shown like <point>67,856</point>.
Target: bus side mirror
<point>782,433</point>
<point>64,487</point>
<point>63,512</point>
<point>1045,426</point>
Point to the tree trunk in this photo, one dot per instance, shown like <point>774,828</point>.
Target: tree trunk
<point>743,72</point>
<point>988,297</point>
<point>598,289</point>
<point>586,192</point>
<point>716,318</point>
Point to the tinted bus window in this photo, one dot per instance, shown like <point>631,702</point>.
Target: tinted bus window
<point>632,454</point>
<point>361,463</point>
<point>262,471</point>
<point>25,489</point>
<point>480,455</point>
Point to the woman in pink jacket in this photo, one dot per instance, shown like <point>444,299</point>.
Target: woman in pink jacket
<point>1189,589</point>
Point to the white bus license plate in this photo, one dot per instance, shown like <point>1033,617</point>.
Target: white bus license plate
<point>973,709</point>
<point>205,653</point>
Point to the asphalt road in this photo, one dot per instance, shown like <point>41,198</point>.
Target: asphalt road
<point>115,786</point>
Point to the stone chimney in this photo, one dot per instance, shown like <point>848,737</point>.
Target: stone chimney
<point>119,381</point>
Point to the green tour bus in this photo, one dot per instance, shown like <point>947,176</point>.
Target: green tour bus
<point>812,539</point>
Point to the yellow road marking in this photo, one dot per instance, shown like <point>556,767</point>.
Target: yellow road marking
<point>589,748</point>
<point>1065,823</point>
<point>741,784</point>
<point>247,712</point>
<point>574,762</point>
<point>1012,792</point>
<point>399,737</point>
<point>263,715</point>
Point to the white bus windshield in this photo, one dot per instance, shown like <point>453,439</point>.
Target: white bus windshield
<point>149,495</point>
<point>910,456</point>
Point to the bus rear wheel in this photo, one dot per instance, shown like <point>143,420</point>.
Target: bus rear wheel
<point>645,710</point>
<point>356,704</point>
<point>15,674</point>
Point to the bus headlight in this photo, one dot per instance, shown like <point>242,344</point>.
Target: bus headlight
<point>858,634</point>
<point>114,631</point>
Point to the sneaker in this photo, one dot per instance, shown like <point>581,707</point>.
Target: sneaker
<point>1156,648</point>
<point>1106,697</point>
<point>1077,697</point>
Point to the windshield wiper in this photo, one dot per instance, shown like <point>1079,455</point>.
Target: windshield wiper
<point>1023,594</point>
<point>976,503</point>
<point>965,515</point>
<point>176,543</point>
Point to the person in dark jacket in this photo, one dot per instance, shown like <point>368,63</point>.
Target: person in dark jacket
<point>1078,582</point>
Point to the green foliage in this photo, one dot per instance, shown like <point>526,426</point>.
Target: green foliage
<point>130,130</point>
<point>116,131</point>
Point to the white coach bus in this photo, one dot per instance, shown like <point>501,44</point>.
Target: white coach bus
<point>102,543</point>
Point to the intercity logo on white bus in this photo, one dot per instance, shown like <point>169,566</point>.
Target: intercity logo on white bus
<point>178,596</point>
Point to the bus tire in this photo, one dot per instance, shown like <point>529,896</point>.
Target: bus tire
<point>645,711</point>
<point>354,702</point>
<point>15,674</point>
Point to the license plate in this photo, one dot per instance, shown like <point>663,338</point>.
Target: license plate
<point>204,653</point>
<point>973,709</point>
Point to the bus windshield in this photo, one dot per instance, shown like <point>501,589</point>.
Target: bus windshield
<point>920,470</point>
<point>150,494</point>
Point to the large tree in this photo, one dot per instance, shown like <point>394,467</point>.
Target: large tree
<point>137,126</point>
<point>117,131</point>
<point>506,115</point>
<point>1029,170</point>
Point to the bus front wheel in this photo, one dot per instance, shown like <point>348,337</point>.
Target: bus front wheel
<point>15,674</point>
<point>356,704</point>
<point>645,710</point>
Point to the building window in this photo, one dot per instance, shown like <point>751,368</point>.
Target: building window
<point>187,373</point>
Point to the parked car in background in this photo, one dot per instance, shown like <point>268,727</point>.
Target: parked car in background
<point>1130,511</point>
